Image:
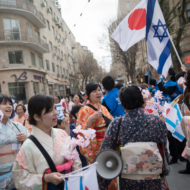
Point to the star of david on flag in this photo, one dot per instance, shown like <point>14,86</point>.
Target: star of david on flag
<point>157,37</point>
<point>158,32</point>
<point>147,21</point>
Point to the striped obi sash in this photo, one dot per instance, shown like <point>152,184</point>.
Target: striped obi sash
<point>100,131</point>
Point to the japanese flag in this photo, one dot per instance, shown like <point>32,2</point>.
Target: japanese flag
<point>132,28</point>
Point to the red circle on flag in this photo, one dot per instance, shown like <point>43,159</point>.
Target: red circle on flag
<point>137,19</point>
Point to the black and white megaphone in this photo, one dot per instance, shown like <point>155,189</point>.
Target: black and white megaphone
<point>110,164</point>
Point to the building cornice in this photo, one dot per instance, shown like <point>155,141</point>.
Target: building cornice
<point>14,68</point>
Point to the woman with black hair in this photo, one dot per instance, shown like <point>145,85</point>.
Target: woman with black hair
<point>12,134</point>
<point>168,86</point>
<point>76,100</point>
<point>136,126</point>
<point>90,116</point>
<point>29,170</point>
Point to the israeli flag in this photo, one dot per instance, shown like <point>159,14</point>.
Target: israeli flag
<point>60,111</point>
<point>157,37</point>
<point>173,118</point>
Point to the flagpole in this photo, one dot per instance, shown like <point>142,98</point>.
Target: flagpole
<point>81,169</point>
<point>175,49</point>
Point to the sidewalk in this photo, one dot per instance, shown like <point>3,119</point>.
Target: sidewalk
<point>178,181</point>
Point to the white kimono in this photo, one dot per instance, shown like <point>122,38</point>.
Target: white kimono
<point>9,146</point>
<point>30,164</point>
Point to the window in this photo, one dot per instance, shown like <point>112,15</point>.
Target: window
<point>43,88</point>
<point>188,12</point>
<point>41,63</point>
<point>60,70</point>
<point>128,6</point>
<point>53,67</point>
<point>47,65</point>
<point>50,46</point>
<point>17,90</point>
<point>53,30</point>
<point>57,69</point>
<point>9,3</point>
<point>12,29</point>
<point>48,26</point>
<point>35,88</point>
<point>33,59</point>
<point>61,90</point>
<point>55,90</point>
<point>61,54</point>
<point>15,57</point>
<point>50,89</point>
<point>30,33</point>
<point>37,37</point>
<point>63,72</point>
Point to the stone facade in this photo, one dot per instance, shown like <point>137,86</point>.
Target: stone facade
<point>36,41</point>
<point>185,43</point>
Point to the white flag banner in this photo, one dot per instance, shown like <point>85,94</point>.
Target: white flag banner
<point>146,20</point>
<point>173,121</point>
<point>74,183</point>
<point>157,37</point>
<point>85,180</point>
<point>132,28</point>
<point>90,178</point>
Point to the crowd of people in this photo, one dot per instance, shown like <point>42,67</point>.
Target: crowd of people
<point>32,136</point>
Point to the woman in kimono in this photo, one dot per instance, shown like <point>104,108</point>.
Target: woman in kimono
<point>11,136</point>
<point>89,118</point>
<point>149,128</point>
<point>29,170</point>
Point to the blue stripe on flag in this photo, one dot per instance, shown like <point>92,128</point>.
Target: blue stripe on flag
<point>58,105</point>
<point>163,57</point>
<point>149,15</point>
<point>179,135</point>
<point>66,187</point>
<point>81,185</point>
<point>170,123</point>
<point>178,113</point>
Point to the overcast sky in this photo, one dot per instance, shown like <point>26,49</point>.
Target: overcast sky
<point>90,26</point>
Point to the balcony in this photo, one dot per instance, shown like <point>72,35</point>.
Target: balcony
<point>24,8</point>
<point>23,38</point>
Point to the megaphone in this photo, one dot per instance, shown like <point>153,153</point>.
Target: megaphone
<point>110,164</point>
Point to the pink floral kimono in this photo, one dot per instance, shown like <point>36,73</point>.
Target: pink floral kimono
<point>30,164</point>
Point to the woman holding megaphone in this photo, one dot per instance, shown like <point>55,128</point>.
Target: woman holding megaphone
<point>141,137</point>
<point>97,117</point>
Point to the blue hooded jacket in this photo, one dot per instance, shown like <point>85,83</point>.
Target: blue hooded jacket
<point>112,101</point>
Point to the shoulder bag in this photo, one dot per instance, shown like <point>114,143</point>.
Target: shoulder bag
<point>107,120</point>
<point>48,159</point>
